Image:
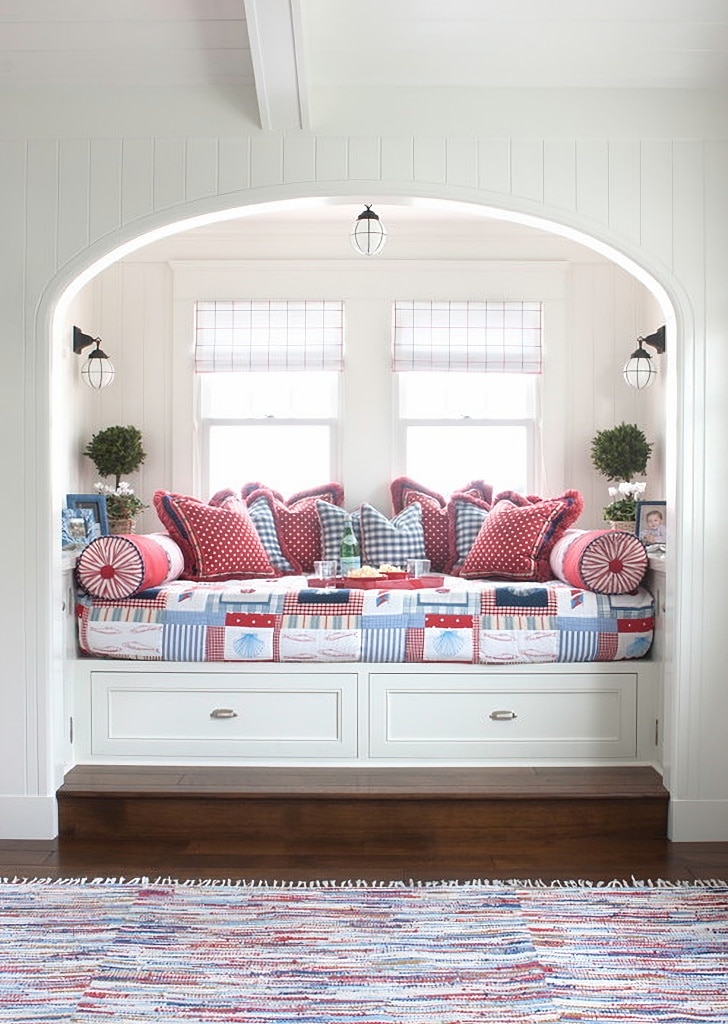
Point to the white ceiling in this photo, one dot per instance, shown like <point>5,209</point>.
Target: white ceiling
<point>290,50</point>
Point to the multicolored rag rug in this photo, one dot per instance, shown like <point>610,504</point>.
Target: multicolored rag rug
<point>447,953</point>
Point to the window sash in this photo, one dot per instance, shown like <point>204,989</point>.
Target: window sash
<point>242,335</point>
<point>480,337</point>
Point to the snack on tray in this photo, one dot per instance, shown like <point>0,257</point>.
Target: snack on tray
<point>390,568</point>
<point>366,571</point>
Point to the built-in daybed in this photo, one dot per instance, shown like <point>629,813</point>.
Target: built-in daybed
<point>451,669</point>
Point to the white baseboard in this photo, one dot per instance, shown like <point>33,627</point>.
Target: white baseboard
<point>28,817</point>
<point>698,821</point>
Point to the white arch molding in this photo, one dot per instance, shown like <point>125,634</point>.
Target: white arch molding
<point>683,428</point>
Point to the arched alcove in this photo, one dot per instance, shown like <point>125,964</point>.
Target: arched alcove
<point>52,324</point>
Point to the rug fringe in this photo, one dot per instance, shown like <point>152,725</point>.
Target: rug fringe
<point>361,883</point>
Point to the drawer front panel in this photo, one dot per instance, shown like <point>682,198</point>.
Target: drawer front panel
<point>215,715</point>
<point>518,716</point>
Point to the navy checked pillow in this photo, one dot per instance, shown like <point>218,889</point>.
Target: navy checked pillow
<point>392,542</point>
<point>332,520</point>
<point>262,515</point>
<point>467,516</point>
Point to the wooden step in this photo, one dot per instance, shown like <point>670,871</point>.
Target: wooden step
<point>439,811</point>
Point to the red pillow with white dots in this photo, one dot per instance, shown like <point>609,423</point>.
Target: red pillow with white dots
<point>604,561</point>
<point>219,542</point>
<point>437,515</point>
<point>327,492</point>
<point>515,541</point>
<point>122,565</point>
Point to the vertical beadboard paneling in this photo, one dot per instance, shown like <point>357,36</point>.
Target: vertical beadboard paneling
<point>104,187</point>
<point>266,160</point>
<point>233,165</point>
<point>656,199</point>
<point>494,165</point>
<point>365,163</point>
<point>559,173</point>
<point>592,180</point>
<point>527,169</point>
<point>397,159</point>
<point>624,188</point>
<point>73,187</point>
<point>299,157</point>
<point>137,178</point>
<point>331,158</point>
<point>461,157</point>
<point>42,214</point>
<point>688,231</point>
<point>201,168</point>
<point>169,172</point>
<point>430,161</point>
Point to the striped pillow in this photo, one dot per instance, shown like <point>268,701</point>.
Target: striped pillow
<point>604,561</point>
<point>122,565</point>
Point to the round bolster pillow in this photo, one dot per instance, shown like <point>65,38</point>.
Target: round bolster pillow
<point>124,564</point>
<point>605,561</point>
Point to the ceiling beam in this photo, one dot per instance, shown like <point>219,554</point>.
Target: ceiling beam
<point>276,47</point>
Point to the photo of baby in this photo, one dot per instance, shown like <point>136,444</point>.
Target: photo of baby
<point>652,523</point>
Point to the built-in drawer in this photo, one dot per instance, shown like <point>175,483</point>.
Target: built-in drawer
<point>499,716</point>
<point>214,714</point>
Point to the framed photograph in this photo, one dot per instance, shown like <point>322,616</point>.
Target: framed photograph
<point>78,528</point>
<point>96,504</point>
<point>652,523</point>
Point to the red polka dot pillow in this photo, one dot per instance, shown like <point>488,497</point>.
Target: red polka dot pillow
<point>437,515</point>
<point>604,561</point>
<point>219,542</point>
<point>515,541</point>
<point>122,565</point>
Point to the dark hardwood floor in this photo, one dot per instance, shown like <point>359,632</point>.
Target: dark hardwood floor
<point>187,823</point>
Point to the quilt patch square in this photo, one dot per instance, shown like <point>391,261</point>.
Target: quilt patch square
<point>319,645</point>
<point>248,643</point>
<point>186,642</point>
<point>518,648</point>
<point>384,643</point>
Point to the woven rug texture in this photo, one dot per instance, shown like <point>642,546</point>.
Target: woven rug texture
<point>447,953</point>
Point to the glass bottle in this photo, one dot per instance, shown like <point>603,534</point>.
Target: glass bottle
<point>349,556</point>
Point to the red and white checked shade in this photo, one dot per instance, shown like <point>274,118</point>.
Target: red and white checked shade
<point>605,561</point>
<point>122,565</point>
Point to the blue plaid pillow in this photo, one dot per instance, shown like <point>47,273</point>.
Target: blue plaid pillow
<point>468,520</point>
<point>333,519</point>
<point>262,515</point>
<point>392,542</point>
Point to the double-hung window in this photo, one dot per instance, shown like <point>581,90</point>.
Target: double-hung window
<point>269,375</point>
<point>468,391</point>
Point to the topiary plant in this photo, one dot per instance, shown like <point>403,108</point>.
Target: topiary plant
<point>620,452</point>
<point>116,451</point>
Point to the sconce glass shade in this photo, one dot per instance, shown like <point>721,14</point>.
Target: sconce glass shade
<point>639,370</point>
<point>98,370</point>
<point>368,233</point>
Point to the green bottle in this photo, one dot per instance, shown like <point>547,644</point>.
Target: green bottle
<point>349,556</point>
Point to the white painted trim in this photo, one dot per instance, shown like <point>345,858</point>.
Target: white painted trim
<point>28,817</point>
<point>698,821</point>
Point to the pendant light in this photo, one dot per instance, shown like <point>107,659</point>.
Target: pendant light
<point>368,233</point>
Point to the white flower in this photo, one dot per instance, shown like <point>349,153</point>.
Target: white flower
<point>613,492</point>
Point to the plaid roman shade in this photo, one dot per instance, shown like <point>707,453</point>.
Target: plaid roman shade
<point>244,335</point>
<point>481,337</point>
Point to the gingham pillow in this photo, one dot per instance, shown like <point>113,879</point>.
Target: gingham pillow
<point>332,521</point>
<point>466,515</point>
<point>264,521</point>
<point>391,542</point>
<point>297,528</point>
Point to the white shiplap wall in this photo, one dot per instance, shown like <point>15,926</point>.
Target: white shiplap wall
<point>662,202</point>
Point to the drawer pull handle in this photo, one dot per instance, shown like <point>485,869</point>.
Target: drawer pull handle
<point>503,716</point>
<point>223,713</point>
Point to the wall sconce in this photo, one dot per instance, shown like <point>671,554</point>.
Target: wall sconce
<point>368,233</point>
<point>98,370</point>
<point>639,370</point>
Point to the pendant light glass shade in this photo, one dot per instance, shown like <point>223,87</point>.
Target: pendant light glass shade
<point>639,370</point>
<point>368,233</point>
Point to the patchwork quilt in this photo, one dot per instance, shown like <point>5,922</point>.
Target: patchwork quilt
<point>285,620</point>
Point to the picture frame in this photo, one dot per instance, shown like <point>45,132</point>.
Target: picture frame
<point>78,528</point>
<point>96,504</point>
<point>652,524</point>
